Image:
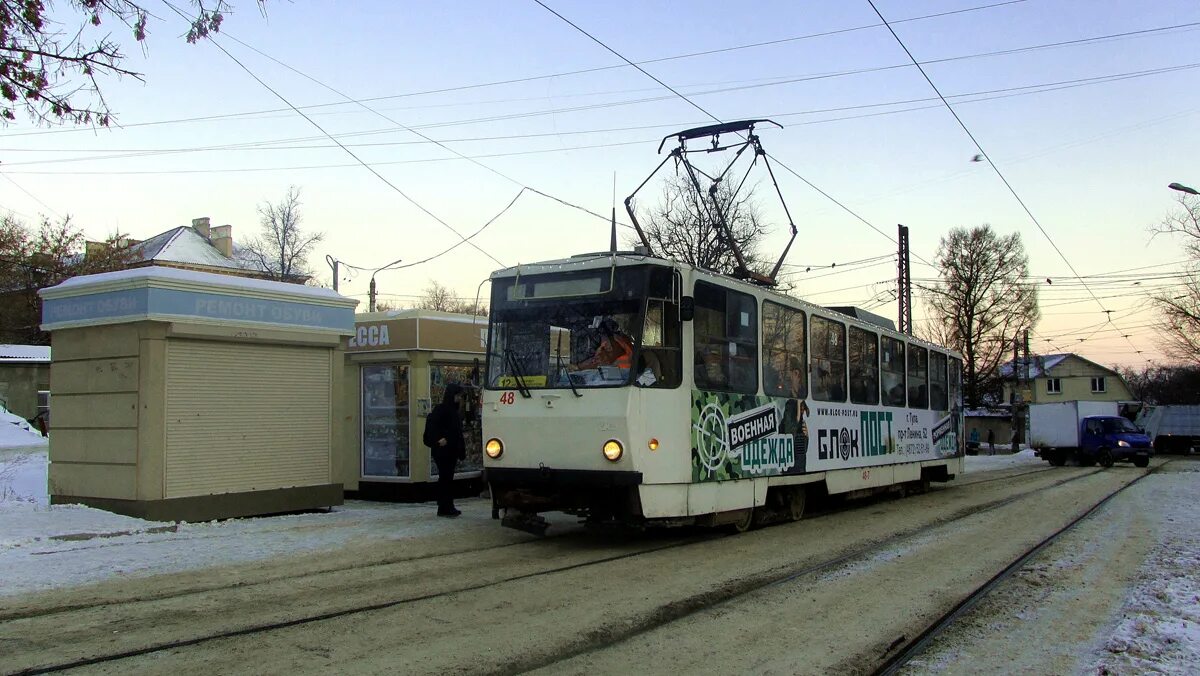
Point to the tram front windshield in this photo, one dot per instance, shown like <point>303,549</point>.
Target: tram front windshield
<point>570,330</point>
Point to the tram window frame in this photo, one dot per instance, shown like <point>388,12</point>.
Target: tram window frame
<point>939,381</point>
<point>864,367</point>
<point>785,350</point>
<point>892,356</point>
<point>725,339</point>
<point>662,357</point>
<point>955,382</point>
<point>830,336</point>
<point>918,377</point>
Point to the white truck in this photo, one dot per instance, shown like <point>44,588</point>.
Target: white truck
<point>1086,431</point>
<point>1172,428</point>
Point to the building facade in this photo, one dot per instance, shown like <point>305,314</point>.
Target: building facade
<point>1062,377</point>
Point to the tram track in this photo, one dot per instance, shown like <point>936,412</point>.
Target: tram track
<point>711,599</point>
<point>905,651</point>
<point>670,612</point>
<point>44,610</point>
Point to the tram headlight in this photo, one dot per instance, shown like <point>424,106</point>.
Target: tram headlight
<point>613,450</point>
<point>494,448</point>
<point>652,444</point>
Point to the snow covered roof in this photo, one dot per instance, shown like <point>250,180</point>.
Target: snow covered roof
<point>25,353</point>
<point>1039,366</point>
<point>197,278</point>
<point>183,245</point>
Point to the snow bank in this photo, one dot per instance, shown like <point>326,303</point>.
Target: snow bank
<point>978,463</point>
<point>16,431</point>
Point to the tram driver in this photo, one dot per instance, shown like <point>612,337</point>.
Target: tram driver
<point>615,348</point>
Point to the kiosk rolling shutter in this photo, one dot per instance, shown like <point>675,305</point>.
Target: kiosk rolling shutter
<point>245,417</point>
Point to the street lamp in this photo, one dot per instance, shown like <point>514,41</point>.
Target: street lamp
<point>372,288</point>
<point>1183,188</point>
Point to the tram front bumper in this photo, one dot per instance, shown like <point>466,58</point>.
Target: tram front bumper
<point>546,488</point>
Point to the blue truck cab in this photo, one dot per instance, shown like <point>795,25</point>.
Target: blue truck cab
<point>1108,439</point>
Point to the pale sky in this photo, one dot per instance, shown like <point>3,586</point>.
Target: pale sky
<point>1088,133</point>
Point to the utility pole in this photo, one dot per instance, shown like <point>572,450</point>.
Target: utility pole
<point>904,283</point>
<point>1015,401</point>
<point>333,263</point>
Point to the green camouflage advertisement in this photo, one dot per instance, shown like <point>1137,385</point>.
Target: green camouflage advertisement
<point>740,436</point>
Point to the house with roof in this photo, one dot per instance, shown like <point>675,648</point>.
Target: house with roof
<point>198,247</point>
<point>1062,377</point>
<point>25,379</point>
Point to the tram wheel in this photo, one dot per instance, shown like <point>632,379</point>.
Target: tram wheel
<point>796,503</point>
<point>743,521</point>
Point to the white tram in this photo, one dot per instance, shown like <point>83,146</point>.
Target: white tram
<point>737,401</point>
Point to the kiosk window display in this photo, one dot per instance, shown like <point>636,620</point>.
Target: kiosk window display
<point>385,428</point>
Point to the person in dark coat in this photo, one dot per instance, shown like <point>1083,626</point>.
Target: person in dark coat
<point>444,436</point>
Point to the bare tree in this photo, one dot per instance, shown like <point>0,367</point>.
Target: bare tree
<point>441,298</point>
<point>35,259</point>
<point>1163,384</point>
<point>51,70</point>
<point>682,227</point>
<point>981,303</point>
<point>282,247</point>
<point>1179,307</point>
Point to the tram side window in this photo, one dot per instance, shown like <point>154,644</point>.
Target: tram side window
<point>864,366</point>
<point>955,382</point>
<point>918,377</point>
<point>785,371</point>
<point>725,330</point>
<point>939,398</point>
<point>892,366</point>
<point>828,359</point>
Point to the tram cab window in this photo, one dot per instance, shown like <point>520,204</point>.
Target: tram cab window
<point>785,370</point>
<point>864,366</point>
<point>918,377</point>
<point>828,359</point>
<point>725,336</point>
<point>658,361</point>
<point>892,371</point>
<point>939,399</point>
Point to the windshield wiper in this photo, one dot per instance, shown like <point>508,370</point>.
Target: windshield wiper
<point>561,369</point>
<point>511,358</point>
<point>570,380</point>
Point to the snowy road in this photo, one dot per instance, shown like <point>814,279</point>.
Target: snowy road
<point>830,593</point>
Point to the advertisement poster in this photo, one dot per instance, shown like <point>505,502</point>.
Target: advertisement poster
<point>740,436</point>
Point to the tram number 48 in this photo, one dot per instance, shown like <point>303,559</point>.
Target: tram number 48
<point>508,397</point>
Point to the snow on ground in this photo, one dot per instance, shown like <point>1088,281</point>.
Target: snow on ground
<point>45,546</point>
<point>1159,629</point>
<point>983,463</point>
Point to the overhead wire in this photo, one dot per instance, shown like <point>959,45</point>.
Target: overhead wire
<point>534,78</point>
<point>365,165</point>
<point>984,153</point>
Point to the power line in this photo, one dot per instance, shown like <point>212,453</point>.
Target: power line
<point>984,154</point>
<point>275,144</point>
<point>522,80</point>
<point>368,167</point>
